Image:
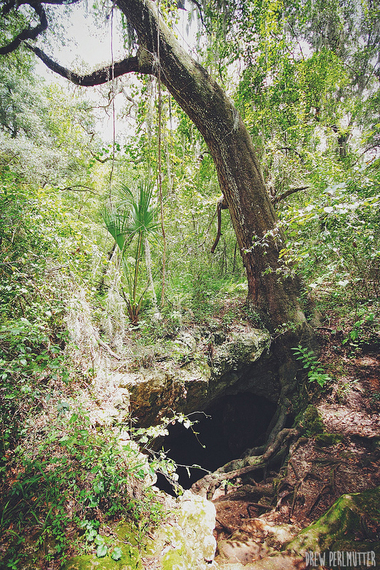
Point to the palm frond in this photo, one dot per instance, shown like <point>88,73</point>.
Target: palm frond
<point>133,216</point>
<point>116,225</point>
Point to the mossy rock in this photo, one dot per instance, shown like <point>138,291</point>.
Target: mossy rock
<point>312,421</point>
<point>326,439</point>
<point>351,524</point>
<point>187,543</point>
<point>126,531</point>
<point>176,559</point>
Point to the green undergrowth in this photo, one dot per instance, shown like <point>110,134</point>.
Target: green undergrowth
<point>65,485</point>
<point>119,549</point>
<point>31,357</point>
<point>354,326</point>
<point>310,363</point>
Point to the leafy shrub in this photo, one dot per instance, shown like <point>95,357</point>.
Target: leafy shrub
<point>334,240</point>
<point>310,363</point>
<point>68,484</point>
<point>364,329</point>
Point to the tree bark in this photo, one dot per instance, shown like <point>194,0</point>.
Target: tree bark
<point>271,293</point>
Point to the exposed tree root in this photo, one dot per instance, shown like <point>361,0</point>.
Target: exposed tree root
<point>275,427</point>
<point>329,488</point>
<point>294,489</point>
<point>238,467</point>
<point>279,419</point>
<point>249,492</point>
<point>228,529</point>
<point>258,506</point>
<point>279,440</point>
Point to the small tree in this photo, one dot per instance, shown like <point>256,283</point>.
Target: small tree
<point>132,222</point>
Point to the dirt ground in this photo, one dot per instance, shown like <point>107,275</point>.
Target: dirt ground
<point>318,472</point>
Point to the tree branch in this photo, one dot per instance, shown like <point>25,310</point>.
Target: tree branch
<point>291,150</point>
<point>28,33</point>
<point>200,10</point>
<point>289,192</point>
<point>98,77</point>
<point>78,188</point>
<point>14,4</point>
<point>222,205</point>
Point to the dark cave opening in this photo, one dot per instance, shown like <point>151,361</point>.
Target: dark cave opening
<point>223,432</point>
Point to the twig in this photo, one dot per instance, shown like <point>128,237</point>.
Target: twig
<point>108,349</point>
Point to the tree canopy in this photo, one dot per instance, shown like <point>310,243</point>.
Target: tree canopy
<point>306,90</point>
<point>228,141</point>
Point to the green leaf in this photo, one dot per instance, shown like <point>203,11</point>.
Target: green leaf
<point>117,554</point>
<point>98,487</point>
<point>92,534</point>
<point>101,551</point>
<point>99,540</point>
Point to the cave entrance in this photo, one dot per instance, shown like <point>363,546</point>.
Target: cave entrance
<point>228,427</point>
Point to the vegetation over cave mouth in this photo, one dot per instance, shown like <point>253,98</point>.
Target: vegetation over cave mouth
<point>223,432</point>
<point>81,307</point>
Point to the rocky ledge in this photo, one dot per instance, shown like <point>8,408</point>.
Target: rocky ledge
<point>200,371</point>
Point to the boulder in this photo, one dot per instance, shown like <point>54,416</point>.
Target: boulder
<point>186,541</point>
<point>351,525</point>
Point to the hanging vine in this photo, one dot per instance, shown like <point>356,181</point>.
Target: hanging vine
<point>113,94</point>
<point>159,160</point>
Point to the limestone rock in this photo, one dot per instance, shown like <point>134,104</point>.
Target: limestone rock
<point>186,542</point>
<point>199,372</point>
<point>243,347</point>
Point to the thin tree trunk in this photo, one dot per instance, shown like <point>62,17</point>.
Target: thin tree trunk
<point>137,267</point>
<point>148,261</point>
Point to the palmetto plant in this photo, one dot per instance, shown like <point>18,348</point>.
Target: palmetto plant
<point>132,223</point>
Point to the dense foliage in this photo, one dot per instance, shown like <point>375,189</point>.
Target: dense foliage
<point>308,89</point>
<point>305,77</point>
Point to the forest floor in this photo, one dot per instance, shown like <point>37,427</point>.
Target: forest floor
<point>336,455</point>
<point>343,458</point>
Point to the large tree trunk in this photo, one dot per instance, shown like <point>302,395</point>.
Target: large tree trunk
<point>271,293</point>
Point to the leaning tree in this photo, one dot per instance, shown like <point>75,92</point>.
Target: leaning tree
<point>272,293</point>
<point>272,290</point>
